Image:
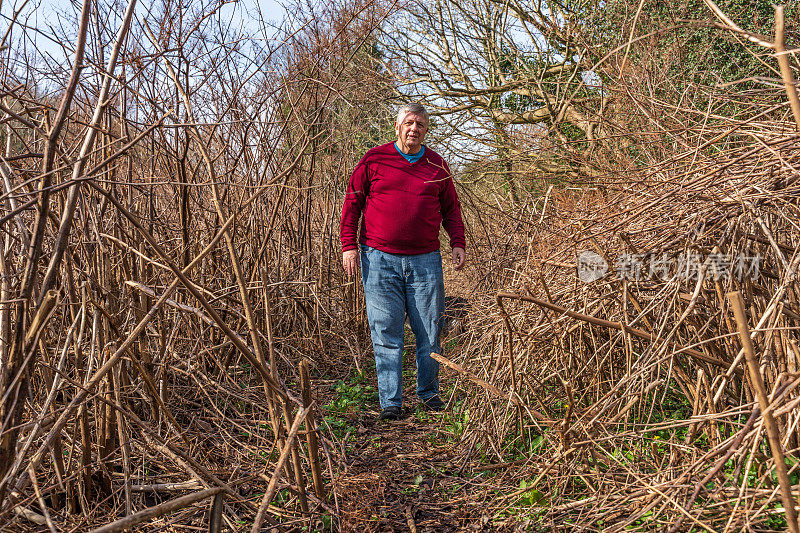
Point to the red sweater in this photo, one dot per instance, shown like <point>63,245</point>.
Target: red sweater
<point>403,203</point>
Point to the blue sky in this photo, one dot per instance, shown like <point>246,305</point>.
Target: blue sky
<point>44,15</point>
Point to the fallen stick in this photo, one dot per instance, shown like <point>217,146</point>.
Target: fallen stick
<point>167,487</point>
<point>276,474</point>
<point>488,386</point>
<point>30,515</point>
<point>773,433</point>
<point>412,525</point>
<point>158,510</point>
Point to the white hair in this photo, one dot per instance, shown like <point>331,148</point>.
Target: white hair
<point>416,109</point>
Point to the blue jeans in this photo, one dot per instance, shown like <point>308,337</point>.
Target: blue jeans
<point>395,286</point>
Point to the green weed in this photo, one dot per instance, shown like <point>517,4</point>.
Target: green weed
<point>351,397</point>
<point>455,422</point>
<point>414,487</point>
<point>531,496</point>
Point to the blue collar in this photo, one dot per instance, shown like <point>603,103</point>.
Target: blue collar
<point>411,158</point>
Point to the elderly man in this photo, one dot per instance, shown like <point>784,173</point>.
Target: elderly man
<point>402,191</point>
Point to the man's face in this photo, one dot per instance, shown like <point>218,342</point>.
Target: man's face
<point>411,131</point>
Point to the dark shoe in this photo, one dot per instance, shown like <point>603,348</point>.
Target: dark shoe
<point>434,403</point>
<point>390,413</point>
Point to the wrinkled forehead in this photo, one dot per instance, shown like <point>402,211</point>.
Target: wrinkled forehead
<point>416,117</point>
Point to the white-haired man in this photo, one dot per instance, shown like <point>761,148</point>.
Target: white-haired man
<point>402,192</point>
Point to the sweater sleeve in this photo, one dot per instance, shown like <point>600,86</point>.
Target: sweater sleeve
<point>354,200</point>
<point>451,211</point>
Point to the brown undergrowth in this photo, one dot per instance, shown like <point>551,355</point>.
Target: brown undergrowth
<point>606,360</point>
<point>169,261</point>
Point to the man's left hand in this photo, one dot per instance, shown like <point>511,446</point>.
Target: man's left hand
<point>459,258</point>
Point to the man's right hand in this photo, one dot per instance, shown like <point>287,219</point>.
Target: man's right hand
<point>350,262</point>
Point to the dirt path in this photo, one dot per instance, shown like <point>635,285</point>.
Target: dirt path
<point>397,477</point>
<point>407,475</point>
